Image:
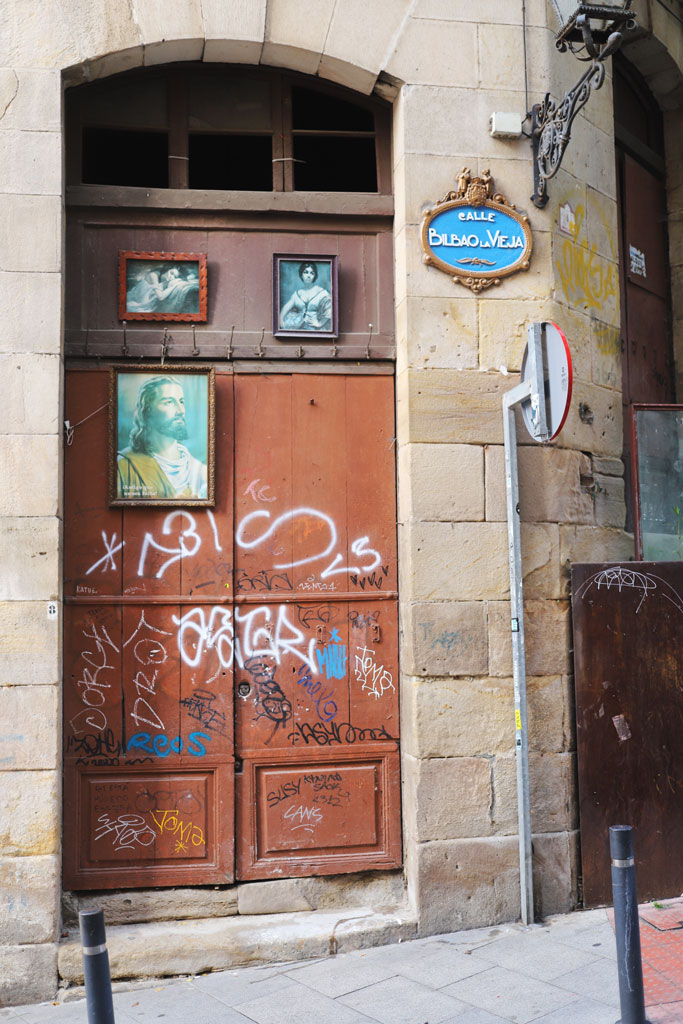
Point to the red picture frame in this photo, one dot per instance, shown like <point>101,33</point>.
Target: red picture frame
<point>162,286</point>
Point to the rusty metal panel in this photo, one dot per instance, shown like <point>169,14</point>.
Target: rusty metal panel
<point>147,826</point>
<point>320,813</point>
<point>628,651</point>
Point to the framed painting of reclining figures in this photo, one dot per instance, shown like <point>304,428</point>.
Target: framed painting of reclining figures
<point>166,286</point>
<point>161,435</point>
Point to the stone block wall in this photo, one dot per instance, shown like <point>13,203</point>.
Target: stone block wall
<point>30,366</point>
<point>458,354</point>
<point>446,65</point>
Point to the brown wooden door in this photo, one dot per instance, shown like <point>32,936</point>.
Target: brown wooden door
<point>168,649</point>
<point>628,651</point>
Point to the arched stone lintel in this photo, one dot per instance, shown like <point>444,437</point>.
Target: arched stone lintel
<point>229,51</point>
<point>661,72</point>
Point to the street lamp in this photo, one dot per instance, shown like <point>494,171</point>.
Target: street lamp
<point>593,32</point>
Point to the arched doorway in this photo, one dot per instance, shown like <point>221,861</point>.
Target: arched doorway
<point>231,675</point>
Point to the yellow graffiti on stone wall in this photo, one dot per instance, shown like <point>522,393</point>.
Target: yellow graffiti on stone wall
<point>587,278</point>
<point>607,339</point>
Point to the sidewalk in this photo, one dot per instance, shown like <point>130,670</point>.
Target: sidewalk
<point>561,972</point>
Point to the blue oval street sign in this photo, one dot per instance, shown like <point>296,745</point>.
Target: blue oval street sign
<point>475,237</point>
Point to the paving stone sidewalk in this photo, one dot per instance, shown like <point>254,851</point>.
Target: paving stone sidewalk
<point>560,972</point>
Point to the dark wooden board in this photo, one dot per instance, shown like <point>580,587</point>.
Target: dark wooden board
<point>628,658</point>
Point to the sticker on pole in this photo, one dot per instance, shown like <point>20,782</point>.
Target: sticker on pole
<point>557,378</point>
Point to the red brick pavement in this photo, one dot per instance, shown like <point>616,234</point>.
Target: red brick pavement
<point>661,943</point>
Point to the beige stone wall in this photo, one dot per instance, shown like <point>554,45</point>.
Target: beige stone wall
<point>458,354</point>
<point>446,73</point>
<point>30,367</point>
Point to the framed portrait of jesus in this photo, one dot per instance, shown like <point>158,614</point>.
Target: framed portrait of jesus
<point>161,435</point>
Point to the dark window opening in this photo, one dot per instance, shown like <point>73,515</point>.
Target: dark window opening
<point>240,162</point>
<point>318,111</point>
<point>227,129</point>
<point>119,157</point>
<point>638,122</point>
<point>334,164</point>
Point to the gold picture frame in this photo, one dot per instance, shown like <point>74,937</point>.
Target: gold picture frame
<point>162,425</point>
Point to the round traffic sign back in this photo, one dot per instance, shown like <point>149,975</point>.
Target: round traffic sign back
<point>557,377</point>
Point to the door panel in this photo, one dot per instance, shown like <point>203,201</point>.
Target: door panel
<point>648,347</point>
<point>92,560</point>
<point>645,229</point>
<point>147,826</point>
<point>148,670</point>
<point>647,373</point>
<point>316,643</point>
<point>93,702</point>
<point>628,649</point>
<point>321,812</point>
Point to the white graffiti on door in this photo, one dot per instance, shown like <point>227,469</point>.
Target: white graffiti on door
<point>147,651</point>
<point>359,546</point>
<point>265,633</point>
<point>187,545</point>
<point>107,560</point>
<point>376,679</point>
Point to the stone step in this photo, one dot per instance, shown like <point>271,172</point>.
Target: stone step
<point>163,948</point>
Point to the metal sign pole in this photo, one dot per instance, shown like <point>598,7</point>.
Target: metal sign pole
<point>518,655</point>
<point>532,388</point>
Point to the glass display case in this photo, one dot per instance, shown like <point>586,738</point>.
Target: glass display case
<point>657,447</point>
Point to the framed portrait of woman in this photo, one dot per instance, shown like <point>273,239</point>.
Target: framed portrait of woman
<point>162,286</point>
<point>305,296</point>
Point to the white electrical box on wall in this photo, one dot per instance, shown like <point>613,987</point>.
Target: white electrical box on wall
<point>505,125</point>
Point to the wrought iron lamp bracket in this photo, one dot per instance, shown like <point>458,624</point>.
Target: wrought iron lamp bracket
<point>551,122</point>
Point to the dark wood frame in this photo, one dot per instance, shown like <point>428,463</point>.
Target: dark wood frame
<point>637,407</point>
<point>209,372</point>
<point>163,257</point>
<point>278,259</point>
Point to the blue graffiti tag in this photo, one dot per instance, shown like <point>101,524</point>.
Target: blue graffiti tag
<point>333,657</point>
<point>324,705</point>
<point>161,746</point>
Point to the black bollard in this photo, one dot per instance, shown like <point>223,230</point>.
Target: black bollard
<point>626,926</point>
<point>96,968</point>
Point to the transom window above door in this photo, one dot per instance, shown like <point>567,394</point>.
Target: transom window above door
<point>230,129</point>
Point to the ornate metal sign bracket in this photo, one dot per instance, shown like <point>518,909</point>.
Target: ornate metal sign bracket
<point>551,122</point>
